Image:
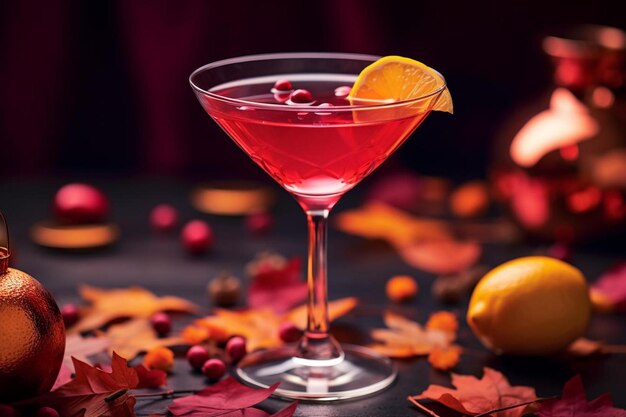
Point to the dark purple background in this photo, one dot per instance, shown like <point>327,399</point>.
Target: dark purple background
<point>100,87</point>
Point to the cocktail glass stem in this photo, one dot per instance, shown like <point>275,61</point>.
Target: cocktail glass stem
<point>317,347</point>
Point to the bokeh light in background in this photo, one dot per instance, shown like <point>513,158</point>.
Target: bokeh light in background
<point>100,88</point>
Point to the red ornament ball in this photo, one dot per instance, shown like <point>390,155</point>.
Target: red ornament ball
<point>196,356</point>
<point>70,314</point>
<point>214,369</point>
<point>80,203</point>
<point>162,324</point>
<point>236,348</point>
<point>163,218</point>
<point>197,237</point>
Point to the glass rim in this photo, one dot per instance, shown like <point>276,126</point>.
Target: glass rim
<point>370,105</point>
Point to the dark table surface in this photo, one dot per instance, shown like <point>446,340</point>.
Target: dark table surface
<point>357,268</point>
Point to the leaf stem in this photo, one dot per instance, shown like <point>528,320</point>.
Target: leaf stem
<point>117,394</point>
<point>497,410</point>
<point>423,408</point>
<point>163,394</point>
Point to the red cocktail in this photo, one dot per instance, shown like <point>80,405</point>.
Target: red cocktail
<point>290,113</point>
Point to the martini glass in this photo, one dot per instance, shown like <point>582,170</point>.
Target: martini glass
<point>317,151</point>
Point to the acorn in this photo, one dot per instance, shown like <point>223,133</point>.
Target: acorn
<point>31,331</point>
<point>224,290</point>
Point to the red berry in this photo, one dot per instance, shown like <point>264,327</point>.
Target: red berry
<point>8,411</point>
<point>236,348</point>
<point>196,356</point>
<point>162,324</point>
<point>70,314</point>
<point>214,369</point>
<point>163,217</point>
<point>259,223</point>
<point>301,97</point>
<point>80,203</point>
<point>289,333</point>
<point>47,412</point>
<point>197,237</point>
<point>282,85</point>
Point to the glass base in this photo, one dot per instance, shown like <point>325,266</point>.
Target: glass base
<point>361,372</point>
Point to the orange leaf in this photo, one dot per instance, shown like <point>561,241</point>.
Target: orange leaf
<point>108,305</point>
<point>441,256</point>
<point>336,309</point>
<point>473,396</point>
<point>381,221</point>
<point>135,336</point>
<point>258,326</point>
<point>405,338</point>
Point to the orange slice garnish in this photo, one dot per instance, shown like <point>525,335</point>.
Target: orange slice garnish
<point>395,78</point>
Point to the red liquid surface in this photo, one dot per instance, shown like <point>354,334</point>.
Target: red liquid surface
<point>315,154</point>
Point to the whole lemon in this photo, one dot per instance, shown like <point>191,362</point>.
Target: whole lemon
<point>530,306</point>
<point>32,336</point>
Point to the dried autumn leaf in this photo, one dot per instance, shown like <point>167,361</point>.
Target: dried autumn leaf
<point>276,283</point>
<point>573,403</point>
<point>226,398</point>
<point>405,338</point>
<point>441,257</point>
<point>381,221</point>
<point>86,395</point>
<point>108,305</point>
<point>260,327</point>
<point>608,293</point>
<point>135,336</point>
<point>473,396</point>
<point>82,347</point>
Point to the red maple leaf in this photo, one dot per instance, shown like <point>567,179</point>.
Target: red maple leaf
<point>612,286</point>
<point>474,396</point>
<point>276,284</point>
<point>94,392</point>
<point>150,378</point>
<point>573,403</point>
<point>227,398</point>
